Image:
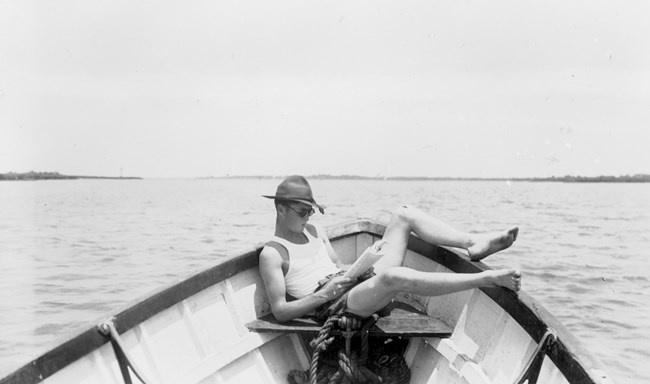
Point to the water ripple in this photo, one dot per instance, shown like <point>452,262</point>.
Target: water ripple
<point>93,246</point>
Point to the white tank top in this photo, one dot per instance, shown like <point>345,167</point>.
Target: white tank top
<point>308,263</point>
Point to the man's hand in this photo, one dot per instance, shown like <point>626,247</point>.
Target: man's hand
<point>370,272</point>
<point>335,288</point>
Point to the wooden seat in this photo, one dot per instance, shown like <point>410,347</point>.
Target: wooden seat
<point>402,320</point>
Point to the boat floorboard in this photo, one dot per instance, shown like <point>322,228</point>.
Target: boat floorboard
<point>402,321</point>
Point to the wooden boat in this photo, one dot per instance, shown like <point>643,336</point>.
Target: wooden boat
<point>194,331</point>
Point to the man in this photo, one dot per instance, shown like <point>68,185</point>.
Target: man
<point>300,262</point>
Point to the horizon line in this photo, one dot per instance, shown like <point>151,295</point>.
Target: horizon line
<point>627,177</point>
<point>630,177</point>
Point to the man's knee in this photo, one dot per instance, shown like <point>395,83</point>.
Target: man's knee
<point>394,279</point>
<point>402,212</point>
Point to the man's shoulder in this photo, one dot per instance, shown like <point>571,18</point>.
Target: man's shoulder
<point>314,229</point>
<point>274,249</point>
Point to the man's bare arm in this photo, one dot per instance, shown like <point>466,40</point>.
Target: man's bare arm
<point>330,250</point>
<point>271,270</point>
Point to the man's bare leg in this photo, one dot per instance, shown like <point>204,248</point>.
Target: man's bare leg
<point>434,231</point>
<point>486,244</point>
<point>377,292</point>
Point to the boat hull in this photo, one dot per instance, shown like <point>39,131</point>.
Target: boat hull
<point>194,330</point>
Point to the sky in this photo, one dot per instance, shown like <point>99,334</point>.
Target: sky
<point>375,88</point>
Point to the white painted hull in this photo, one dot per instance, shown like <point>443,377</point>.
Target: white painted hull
<point>202,337</point>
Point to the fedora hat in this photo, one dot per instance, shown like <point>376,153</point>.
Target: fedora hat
<point>295,188</point>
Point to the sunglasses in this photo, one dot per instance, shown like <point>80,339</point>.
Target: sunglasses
<point>303,212</point>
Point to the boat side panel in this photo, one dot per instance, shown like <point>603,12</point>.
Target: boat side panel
<point>177,339</point>
<point>509,349</point>
<point>446,307</point>
<point>480,325</point>
<point>215,379</point>
<point>98,367</point>
<point>242,355</point>
<point>503,345</point>
<point>364,241</point>
<point>493,345</point>
<point>200,339</point>
<point>551,374</point>
<point>346,249</point>
<point>428,365</point>
<point>213,329</point>
<point>487,346</point>
<point>568,354</point>
<point>249,299</point>
<point>281,357</point>
<point>246,369</point>
<point>166,343</point>
<point>158,302</point>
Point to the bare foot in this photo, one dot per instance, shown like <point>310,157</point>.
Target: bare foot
<point>485,245</point>
<point>507,278</point>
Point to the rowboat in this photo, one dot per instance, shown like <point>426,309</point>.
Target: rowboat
<point>198,330</point>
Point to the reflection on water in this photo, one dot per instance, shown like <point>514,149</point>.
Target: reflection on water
<point>74,251</point>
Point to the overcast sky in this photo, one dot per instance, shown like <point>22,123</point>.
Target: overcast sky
<point>417,88</point>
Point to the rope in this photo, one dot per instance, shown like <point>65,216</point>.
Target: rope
<point>124,359</point>
<point>355,372</point>
<point>531,370</point>
<point>320,344</point>
<point>365,331</point>
<point>350,368</point>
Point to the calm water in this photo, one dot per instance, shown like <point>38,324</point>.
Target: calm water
<point>72,251</point>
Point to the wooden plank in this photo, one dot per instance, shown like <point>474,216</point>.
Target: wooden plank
<point>402,321</point>
<point>406,323</point>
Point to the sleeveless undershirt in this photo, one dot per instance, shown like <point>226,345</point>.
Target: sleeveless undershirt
<point>308,264</point>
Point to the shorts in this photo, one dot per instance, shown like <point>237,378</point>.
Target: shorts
<point>338,305</point>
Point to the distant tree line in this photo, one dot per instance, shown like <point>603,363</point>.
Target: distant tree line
<point>638,178</point>
<point>51,176</point>
<point>34,176</point>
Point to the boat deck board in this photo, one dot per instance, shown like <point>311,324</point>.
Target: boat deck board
<point>402,321</point>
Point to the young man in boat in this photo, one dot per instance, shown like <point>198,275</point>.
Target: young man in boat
<point>299,262</point>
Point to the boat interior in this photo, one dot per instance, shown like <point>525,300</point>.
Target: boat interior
<point>195,331</point>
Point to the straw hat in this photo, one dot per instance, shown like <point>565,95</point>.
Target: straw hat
<point>295,188</point>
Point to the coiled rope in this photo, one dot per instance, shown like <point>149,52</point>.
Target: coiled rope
<point>347,366</point>
<point>320,345</point>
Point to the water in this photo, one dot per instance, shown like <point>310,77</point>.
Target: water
<point>73,251</point>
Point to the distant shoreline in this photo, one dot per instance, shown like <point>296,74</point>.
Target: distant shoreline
<point>641,178</point>
<point>31,176</point>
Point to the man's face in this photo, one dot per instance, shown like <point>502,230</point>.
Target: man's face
<point>298,214</point>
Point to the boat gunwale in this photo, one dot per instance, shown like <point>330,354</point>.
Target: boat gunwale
<point>567,352</point>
